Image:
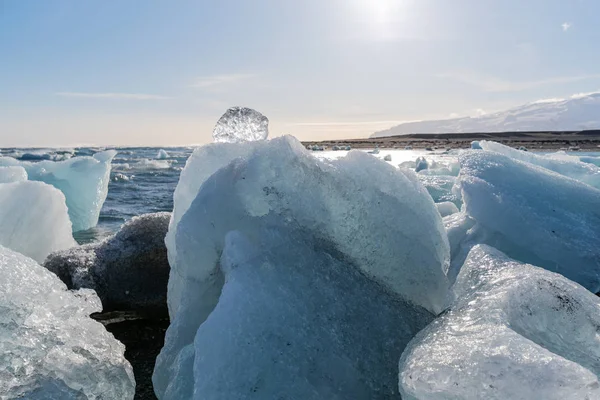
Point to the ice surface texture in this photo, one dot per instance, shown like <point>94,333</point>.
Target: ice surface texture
<point>584,172</point>
<point>34,219</point>
<point>12,174</point>
<point>241,124</point>
<point>531,214</point>
<point>83,180</point>
<point>50,347</point>
<point>446,208</point>
<point>281,258</point>
<point>128,271</point>
<point>515,332</point>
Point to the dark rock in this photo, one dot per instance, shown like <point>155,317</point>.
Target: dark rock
<point>129,270</point>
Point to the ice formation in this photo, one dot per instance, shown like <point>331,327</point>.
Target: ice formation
<point>585,172</point>
<point>475,145</point>
<point>271,251</point>
<point>446,208</point>
<point>12,174</point>
<point>83,181</point>
<point>515,332</point>
<point>441,188</point>
<point>421,163</point>
<point>162,154</point>
<point>531,214</point>
<point>33,219</point>
<point>128,271</point>
<point>50,347</point>
<point>241,124</point>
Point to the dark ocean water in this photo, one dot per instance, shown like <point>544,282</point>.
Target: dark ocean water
<point>139,182</point>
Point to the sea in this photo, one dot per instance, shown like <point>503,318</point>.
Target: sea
<point>142,182</point>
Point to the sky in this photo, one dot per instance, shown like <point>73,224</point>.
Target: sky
<point>161,73</point>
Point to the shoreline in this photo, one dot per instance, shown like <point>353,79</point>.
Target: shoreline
<point>569,141</point>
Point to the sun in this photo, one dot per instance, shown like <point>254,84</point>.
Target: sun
<point>383,19</point>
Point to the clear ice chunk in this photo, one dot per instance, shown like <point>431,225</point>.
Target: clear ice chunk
<point>50,348</point>
<point>241,124</point>
<point>515,332</point>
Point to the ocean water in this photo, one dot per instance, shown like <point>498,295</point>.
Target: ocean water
<point>141,183</point>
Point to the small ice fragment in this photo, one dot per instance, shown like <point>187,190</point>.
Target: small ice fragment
<point>162,155</point>
<point>241,124</point>
<point>387,157</point>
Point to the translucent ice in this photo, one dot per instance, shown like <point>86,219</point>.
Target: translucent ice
<point>50,347</point>
<point>83,180</point>
<point>241,124</point>
<point>309,233</point>
<point>446,208</point>
<point>515,332</point>
<point>441,188</point>
<point>162,155</point>
<point>301,318</point>
<point>533,215</point>
<point>34,219</point>
<point>12,174</point>
<point>584,172</point>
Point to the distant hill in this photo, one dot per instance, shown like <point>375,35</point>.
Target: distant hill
<point>579,112</point>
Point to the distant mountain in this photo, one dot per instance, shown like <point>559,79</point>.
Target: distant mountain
<point>575,113</point>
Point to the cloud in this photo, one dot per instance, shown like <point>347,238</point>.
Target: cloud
<point>213,81</point>
<point>494,84</point>
<point>342,123</point>
<point>120,96</point>
<point>566,26</point>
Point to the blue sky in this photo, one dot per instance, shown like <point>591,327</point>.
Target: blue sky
<point>162,72</point>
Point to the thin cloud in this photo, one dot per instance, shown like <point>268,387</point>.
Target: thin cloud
<point>120,96</point>
<point>566,26</point>
<point>494,84</point>
<point>345,123</point>
<point>213,81</point>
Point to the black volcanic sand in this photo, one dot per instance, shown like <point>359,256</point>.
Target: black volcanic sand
<point>143,339</point>
<point>585,140</point>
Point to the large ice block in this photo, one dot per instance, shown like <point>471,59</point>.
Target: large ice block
<point>533,215</point>
<point>365,226</point>
<point>83,180</point>
<point>50,347</point>
<point>515,332</point>
<point>34,219</point>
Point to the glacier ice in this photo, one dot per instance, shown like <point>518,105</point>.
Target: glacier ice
<point>532,214</point>
<point>162,154</point>
<point>33,219</point>
<point>241,124</point>
<point>274,213</point>
<point>421,163</point>
<point>441,188</point>
<point>475,145</point>
<point>50,347</point>
<point>128,271</point>
<point>83,181</point>
<point>515,331</point>
<point>12,174</point>
<point>446,208</point>
<point>297,321</point>
<point>584,172</point>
